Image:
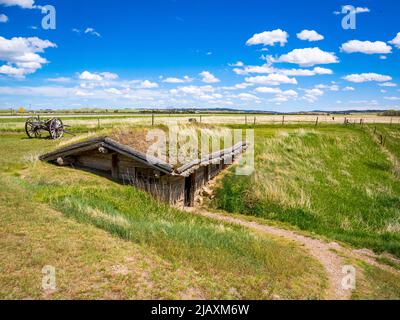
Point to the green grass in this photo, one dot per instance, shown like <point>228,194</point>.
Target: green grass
<point>391,137</point>
<point>377,284</point>
<point>331,180</point>
<point>212,259</point>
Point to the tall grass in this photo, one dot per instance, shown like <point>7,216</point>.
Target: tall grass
<point>334,181</point>
<point>232,261</point>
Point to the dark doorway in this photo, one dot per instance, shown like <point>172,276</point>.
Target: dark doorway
<point>189,191</point>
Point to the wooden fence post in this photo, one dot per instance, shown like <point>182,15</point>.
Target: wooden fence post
<point>283,120</point>
<point>255,121</point>
<point>98,122</point>
<point>316,122</point>
<point>152,119</point>
<point>245,120</point>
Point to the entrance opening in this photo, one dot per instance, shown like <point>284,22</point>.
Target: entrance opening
<point>189,191</point>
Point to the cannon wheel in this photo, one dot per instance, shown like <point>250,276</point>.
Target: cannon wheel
<point>31,128</point>
<point>56,129</point>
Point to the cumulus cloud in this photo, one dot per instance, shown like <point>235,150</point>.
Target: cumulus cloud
<point>3,18</point>
<point>396,41</point>
<point>308,57</point>
<point>367,47</point>
<point>268,90</point>
<point>310,35</point>
<point>348,89</point>
<point>208,77</point>
<point>97,76</point>
<point>86,75</point>
<point>24,4</point>
<point>22,55</point>
<point>178,80</point>
<point>146,84</point>
<point>273,79</point>
<point>312,95</point>
<point>367,77</point>
<point>269,38</point>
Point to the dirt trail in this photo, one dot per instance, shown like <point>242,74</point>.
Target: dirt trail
<point>319,249</point>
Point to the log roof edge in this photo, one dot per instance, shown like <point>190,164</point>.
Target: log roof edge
<point>151,161</point>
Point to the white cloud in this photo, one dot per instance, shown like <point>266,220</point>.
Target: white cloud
<point>367,47</point>
<point>310,35</point>
<point>269,38</point>
<point>3,18</point>
<point>247,96</point>
<point>178,80</point>
<point>333,87</point>
<point>348,89</point>
<point>268,90</point>
<point>22,55</point>
<point>92,31</point>
<point>396,41</point>
<point>367,77</point>
<point>273,79</point>
<point>387,84</point>
<point>362,10</point>
<point>113,91</point>
<point>109,75</point>
<point>267,68</point>
<point>25,4</point>
<point>308,57</point>
<point>97,76</point>
<point>392,98</point>
<point>86,75</point>
<point>350,8</point>
<point>305,72</point>
<point>208,77</point>
<point>312,95</point>
<point>237,64</point>
<point>59,79</point>
<point>146,84</point>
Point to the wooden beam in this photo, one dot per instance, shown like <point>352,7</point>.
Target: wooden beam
<point>114,166</point>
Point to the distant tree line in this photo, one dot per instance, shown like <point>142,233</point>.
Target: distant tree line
<point>391,113</point>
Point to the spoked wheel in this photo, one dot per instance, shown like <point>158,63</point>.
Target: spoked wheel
<point>56,129</point>
<point>32,128</point>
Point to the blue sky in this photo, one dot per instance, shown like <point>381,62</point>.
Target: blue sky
<point>263,55</point>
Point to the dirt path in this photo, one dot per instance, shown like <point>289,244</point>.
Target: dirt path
<point>320,250</point>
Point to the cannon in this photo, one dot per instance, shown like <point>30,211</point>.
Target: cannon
<point>34,127</point>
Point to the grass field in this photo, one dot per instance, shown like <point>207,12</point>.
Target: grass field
<point>112,241</point>
<point>52,216</point>
<point>333,180</point>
